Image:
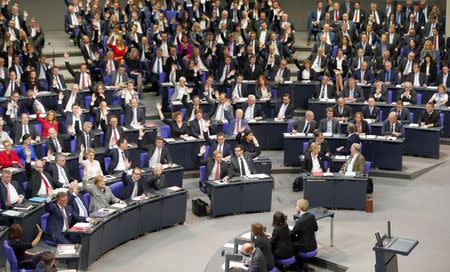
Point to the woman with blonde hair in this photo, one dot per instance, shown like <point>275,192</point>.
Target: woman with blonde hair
<point>91,165</point>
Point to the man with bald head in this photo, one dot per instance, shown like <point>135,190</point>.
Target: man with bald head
<point>236,123</point>
<point>41,183</point>
<point>252,111</point>
<point>392,126</point>
<point>23,128</point>
<point>58,143</point>
<point>306,124</point>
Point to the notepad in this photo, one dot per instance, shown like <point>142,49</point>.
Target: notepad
<point>169,140</point>
<point>38,199</point>
<point>174,188</point>
<point>119,205</point>
<point>190,138</point>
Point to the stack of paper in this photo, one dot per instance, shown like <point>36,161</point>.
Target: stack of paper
<point>174,188</point>
<point>235,264</point>
<point>256,176</point>
<point>119,205</point>
<point>190,138</point>
<point>169,140</point>
<point>66,249</point>
<point>11,213</point>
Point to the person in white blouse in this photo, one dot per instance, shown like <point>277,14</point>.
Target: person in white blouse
<point>4,136</point>
<point>129,93</point>
<point>440,98</point>
<point>91,165</point>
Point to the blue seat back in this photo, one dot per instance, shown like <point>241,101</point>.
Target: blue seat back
<point>165,131</point>
<point>162,77</point>
<point>44,149</point>
<point>203,173</point>
<point>441,119</point>
<point>87,102</point>
<point>87,200</point>
<point>117,188</point>
<point>207,150</point>
<point>183,112</point>
<point>11,257</point>
<point>419,99</point>
<point>107,161</point>
<point>389,96</point>
<point>170,14</point>
<point>367,167</point>
<point>411,117</point>
<point>38,129</point>
<point>44,219</point>
<point>73,145</point>
<point>289,125</point>
<point>143,159</point>
<point>225,126</point>
<point>305,147</point>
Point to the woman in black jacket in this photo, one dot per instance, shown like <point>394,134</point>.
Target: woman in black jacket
<point>362,127</point>
<point>282,247</point>
<point>314,161</point>
<point>262,242</point>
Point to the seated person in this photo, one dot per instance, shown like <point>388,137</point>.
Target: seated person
<point>429,117</point>
<point>135,185</point>
<point>303,234</point>
<point>134,115</point>
<point>10,191</point>
<point>329,124</point>
<point>305,70</point>
<point>47,264</point>
<point>280,240</point>
<point>157,152</point>
<point>342,112</point>
<point>351,139</point>
<point>285,109</point>
<point>262,242</point>
<point>60,172</point>
<point>113,133</point>
<point>363,74</point>
<point>219,144</point>
<point>24,127</point>
<point>319,139</point>
<point>8,157</point>
<point>4,136</point>
<point>242,163</point>
<point>75,201</point>
<point>352,92</point>
<point>25,258</point>
<point>408,94</point>
<point>416,77</point>
<point>378,92</point>
<point>216,167</point>
<point>40,183</point>
<point>257,260</point>
<point>220,107</point>
<point>191,107</point>
<point>314,161</point>
<point>306,124</point>
<point>440,98</point>
<point>236,122</point>
<point>90,164</point>
<point>47,123</point>
<point>262,89</point>
<point>392,126</point>
<point>157,179</point>
<point>178,127</point>
<point>58,143</point>
<point>198,125</point>
<point>247,139</point>
<point>356,162</point>
<point>101,195</point>
<point>402,112</point>
<point>370,111</point>
<point>361,125</point>
<point>238,89</point>
<point>61,218</point>
<point>252,111</point>
<point>325,90</point>
<point>119,157</point>
<point>21,150</point>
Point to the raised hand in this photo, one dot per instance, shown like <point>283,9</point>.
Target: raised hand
<point>202,150</point>
<point>66,56</point>
<point>141,132</point>
<point>60,95</point>
<point>158,106</point>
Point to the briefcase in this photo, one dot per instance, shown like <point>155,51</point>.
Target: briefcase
<point>199,207</point>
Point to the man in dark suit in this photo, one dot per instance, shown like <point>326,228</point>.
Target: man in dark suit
<point>216,167</point>
<point>67,99</point>
<point>10,191</point>
<point>417,78</point>
<point>302,235</point>
<point>284,110</point>
<point>74,119</point>
<point>134,115</point>
<point>429,117</point>
<point>282,73</point>
<point>24,127</point>
<point>388,75</point>
<point>392,126</point>
<point>341,111</point>
<point>225,71</point>
<point>364,45</point>
<point>402,112</point>
<point>157,152</point>
<point>329,124</point>
<point>119,157</point>
<point>58,143</point>
<point>82,78</point>
<point>351,139</point>
<point>119,78</point>
<point>352,92</point>
<point>197,125</point>
<point>113,133</point>
<point>86,138</point>
<point>252,110</point>
<point>134,185</point>
<point>57,81</point>
<point>371,111</point>
<point>363,74</point>
<point>10,84</point>
<point>61,218</point>
<point>437,40</point>
<point>219,144</point>
<point>253,70</point>
<point>324,90</point>
<point>358,16</point>
<point>157,179</point>
<point>238,89</point>
<point>75,201</point>
<point>41,183</point>
<point>319,61</point>
<point>60,172</point>
<point>327,49</point>
<point>444,77</point>
<point>101,116</point>
<point>306,124</point>
<point>257,260</point>
<point>242,163</point>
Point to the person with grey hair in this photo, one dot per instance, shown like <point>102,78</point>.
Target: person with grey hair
<point>408,94</point>
<point>86,138</point>
<point>10,191</point>
<point>257,261</point>
<point>4,136</point>
<point>156,180</point>
<point>60,172</point>
<point>356,161</point>
<point>252,110</point>
<point>352,138</point>
<point>392,126</point>
<point>74,200</point>
<point>306,124</point>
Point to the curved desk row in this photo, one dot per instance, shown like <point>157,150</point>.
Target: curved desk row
<point>165,210</point>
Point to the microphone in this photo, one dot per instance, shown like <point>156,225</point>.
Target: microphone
<point>53,49</point>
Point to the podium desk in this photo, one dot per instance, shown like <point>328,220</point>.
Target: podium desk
<point>269,133</point>
<point>336,192</point>
<point>422,141</point>
<point>240,196</point>
<point>386,255</point>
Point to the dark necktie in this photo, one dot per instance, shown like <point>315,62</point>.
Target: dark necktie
<point>306,129</point>
<point>242,167</point>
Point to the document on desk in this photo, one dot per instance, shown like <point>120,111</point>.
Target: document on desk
<point>379,137</point>
<point>125,129</point>
<point>235,264</point>
<point>256,176</point>
<point>391,138</point>
<point>66,249</point>
<point>327,134</point>
<point>12,169</point>
<point>413,125</point>
<point>341,157</point>
<point>11,213</point>
<point>109,177</point>
<point>167,166</point>
<point>170,140</point>
<point>190,138</point>
<point>119,205</point>
<point>231,245</point>
<point>350,174</point>
<point>246,235</point>
<point>176,103</point>
<point>371,136</point>
<point>81,227</point>
<point>327,174</point>
<point>174,188</point>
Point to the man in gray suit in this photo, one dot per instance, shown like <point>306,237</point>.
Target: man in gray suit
<point>329,124</point>
<point>119,78</point>
<point>306,124</point>
<point>257,262</point>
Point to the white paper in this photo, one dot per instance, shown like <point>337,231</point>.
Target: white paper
<point>340,157</point>
<point>165,166</point>
<point>371,136</point>
<point>413,125</point>
<point>82,225</point>
<point>246,235</point>
<point>327,174</point>
<point>169,140</point>
<point>235,264</point>
<point>119,205</point>
<point>176,103</point>
<point>252,176</point>
<point>350,174</point>
<point>190,138</point>
<point>174,188</point>
<point>11,213</point>
<point>327,134</point>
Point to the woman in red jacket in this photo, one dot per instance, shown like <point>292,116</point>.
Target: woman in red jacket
<point>8,157</point>
<point>47,123</point>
